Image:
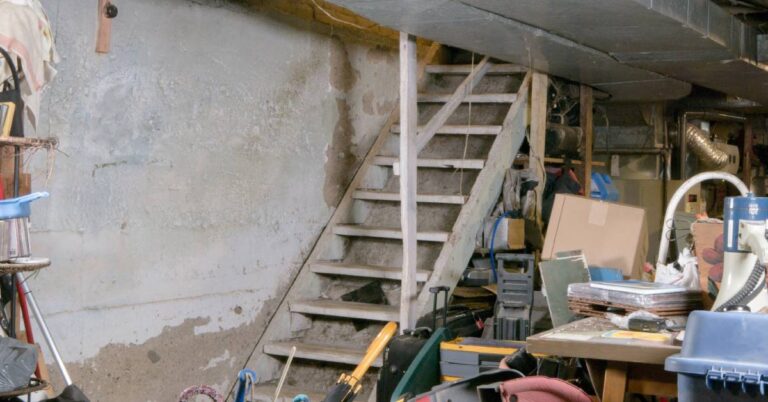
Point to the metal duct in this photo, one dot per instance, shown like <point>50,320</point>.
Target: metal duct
<point>698,142</point>
<point>631,49</point>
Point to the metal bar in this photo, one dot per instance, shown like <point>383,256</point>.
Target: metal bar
<point>44,328</point>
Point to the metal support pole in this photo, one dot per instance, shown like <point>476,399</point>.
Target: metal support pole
<point>44,328</point>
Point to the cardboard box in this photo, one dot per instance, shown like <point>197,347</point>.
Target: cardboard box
<point>708,243</point>
<point>610,235</point>
<point>509,235</point>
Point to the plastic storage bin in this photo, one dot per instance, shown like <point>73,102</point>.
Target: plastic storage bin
<point>13,208</point>
<point>724,358</point>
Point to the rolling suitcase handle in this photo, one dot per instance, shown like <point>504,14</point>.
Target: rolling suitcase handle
<point>436,291</point>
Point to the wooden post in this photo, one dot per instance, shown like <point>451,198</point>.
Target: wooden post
<point>587,127</point>
<point>615,383</point>
<point>539,86</point>
<point>747,166</point>
<point>408,153</point>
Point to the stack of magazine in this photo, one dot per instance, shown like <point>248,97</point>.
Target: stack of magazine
<point>632,295</point>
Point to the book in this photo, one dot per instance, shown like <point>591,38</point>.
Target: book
<point>639,287</point>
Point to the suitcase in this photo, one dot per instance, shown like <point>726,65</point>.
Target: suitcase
<point>402,350</point>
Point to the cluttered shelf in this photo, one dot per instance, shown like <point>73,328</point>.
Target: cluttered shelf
<point>30,142</point>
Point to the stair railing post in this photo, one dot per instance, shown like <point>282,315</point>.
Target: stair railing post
<point>407,171</point>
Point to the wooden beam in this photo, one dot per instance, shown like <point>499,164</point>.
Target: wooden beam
<point>408,170</point>
<point>586,103</point>
<point>442,115</point>
<point>538,122</point>
<point>747,166</point>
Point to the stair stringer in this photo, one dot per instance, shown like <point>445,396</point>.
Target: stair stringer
<point>457,251</point>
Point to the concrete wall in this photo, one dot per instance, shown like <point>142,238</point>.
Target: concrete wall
<point>200,160</point>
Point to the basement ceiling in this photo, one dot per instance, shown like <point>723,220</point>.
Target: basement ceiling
<point>641,50</point>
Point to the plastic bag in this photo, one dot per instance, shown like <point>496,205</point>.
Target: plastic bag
<point>683,272</point>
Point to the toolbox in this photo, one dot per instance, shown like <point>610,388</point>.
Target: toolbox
<point>724,357</point>
<point>467,357</point>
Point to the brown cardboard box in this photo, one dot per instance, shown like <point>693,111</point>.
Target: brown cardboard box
<point>516,234</point>
<point>708,244</point>
<point>610,235</point>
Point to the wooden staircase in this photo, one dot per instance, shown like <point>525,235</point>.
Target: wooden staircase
<point>478,112</point>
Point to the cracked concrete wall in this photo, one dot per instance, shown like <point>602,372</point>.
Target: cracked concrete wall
<point>200,160</point>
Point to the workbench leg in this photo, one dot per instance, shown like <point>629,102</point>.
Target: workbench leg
<point>615,384</point>
<point>596,371</point>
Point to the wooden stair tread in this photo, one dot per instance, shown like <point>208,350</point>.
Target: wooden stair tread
<point>467,68</point>
<point>434,163</point>
<point>379,195</point>
<point>459,129</point>
<point>387,233</point>
<point>325,353</point>
<point>474,98</point>
<point>344,309</point>
<point>364,270</point>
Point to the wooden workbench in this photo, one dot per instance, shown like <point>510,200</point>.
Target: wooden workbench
<point>616,366</point>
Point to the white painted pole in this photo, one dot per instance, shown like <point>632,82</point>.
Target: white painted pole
<point>408,153</point>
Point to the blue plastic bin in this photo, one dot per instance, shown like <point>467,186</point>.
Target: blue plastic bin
<point>724,358</point>
<point>18,207</point>
<point>603,188</point>
<point>604,274</point>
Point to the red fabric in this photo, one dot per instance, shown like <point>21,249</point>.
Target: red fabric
<point>542,389</point>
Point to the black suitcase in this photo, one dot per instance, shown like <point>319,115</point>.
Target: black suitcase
<point>402,350</point>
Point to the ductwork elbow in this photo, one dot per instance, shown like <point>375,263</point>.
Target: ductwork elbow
<point>704,149</point>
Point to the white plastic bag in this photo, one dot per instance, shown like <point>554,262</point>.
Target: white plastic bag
<point>684,272</point>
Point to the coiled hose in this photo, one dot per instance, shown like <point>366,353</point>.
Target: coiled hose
<point>752,287</point>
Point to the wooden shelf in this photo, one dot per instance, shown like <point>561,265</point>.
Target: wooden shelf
<point>27,266</point>
<point>556,161</point>
<point>30,142</point>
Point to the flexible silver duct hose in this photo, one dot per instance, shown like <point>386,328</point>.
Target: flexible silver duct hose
<point>704,149</point>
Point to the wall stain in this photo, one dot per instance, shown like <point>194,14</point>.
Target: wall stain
<point>340,153</point>
<point>342,75</point>
<point>368,103</point>
<point>119,372</point>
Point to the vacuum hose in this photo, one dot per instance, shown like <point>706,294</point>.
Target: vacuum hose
<point>752,287</point>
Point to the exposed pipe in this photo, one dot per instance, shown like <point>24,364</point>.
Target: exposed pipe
<point>630,151</point>
<point>708,115</point>
<point>666,230</point>
<point>704,149</point>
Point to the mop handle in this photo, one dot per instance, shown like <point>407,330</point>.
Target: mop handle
<point>44,328</point>
<point>374,350</point>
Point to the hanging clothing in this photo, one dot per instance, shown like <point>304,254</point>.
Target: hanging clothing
<point>25,32</point>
